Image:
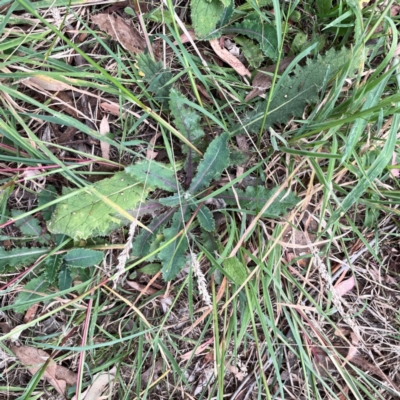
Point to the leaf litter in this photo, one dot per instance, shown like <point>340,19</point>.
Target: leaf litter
<point>34,359</point>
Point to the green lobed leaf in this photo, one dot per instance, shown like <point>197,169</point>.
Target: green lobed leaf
<point>205,16</point>
<point>215,160</point>
<point>20,257</point>
<point>36,285</point>
<point>173,201</point>
<point>186,120</point>
<point>238,157</point>
<point>64,279</point>
<point>46,196</point>
<point>235,270</point>
<point>206,219</point>
<point>255,197</point>
<point>264,34</point>
<point>155,75</point>
<point>173,256</point>
<point>52,267</point>
<point>87,215</point>
<point>294,93</point>
<point>226,13</point>
<point>251,51</point>
<point>83,258</point>
<point>29,225</point>
<point>154,174</point>
<point>208,241</point>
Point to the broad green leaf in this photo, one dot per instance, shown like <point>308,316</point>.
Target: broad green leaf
<point>215,160</point>
<point>255,197</point>
<point>206,219</point>
<point>83,258</point>
<point>52,267</point>
<point>205,16</point>
<point>20,257</point>
<point>155,75</point>
<point>46,196</point>
<point>173,257</point>
<point>265,35</point>
<point>154,174</point>
<point>29,226</point>
<point>251,51</point>
<point>36,285</point>
<point>323,6</point>
<point>235,270</point>
<point>150,269</point>
<point>64,278</point>
<point>86,214</point>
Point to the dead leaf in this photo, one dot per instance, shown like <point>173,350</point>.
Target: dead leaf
<point>236,372</point>
<point>263,81</point>
<point>112,108</point>
<point>395,171</point>
<point>33,359</point>
<point>166,302</point>
<point>299,241</point>
<point>141,288</point>
<point>150,153</point>
<point>345,286</point>
<point>230,59</point>
<point>198,351</point>
<point>394,10</point>
<point>104,129</point>
<point>66,104</point>
<point>185,38</point>
<point>47,83</point>
<point>4,327</point>
<point>99,384</point>
<point>68,135</point>
<point>363,3</point>
<point>31,313</point>
<point>354,342</point>
<point>151,373</point>
<point>121,31</point>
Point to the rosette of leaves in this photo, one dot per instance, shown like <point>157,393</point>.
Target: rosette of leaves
<point>168,228</point>
<point>180,205</point>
